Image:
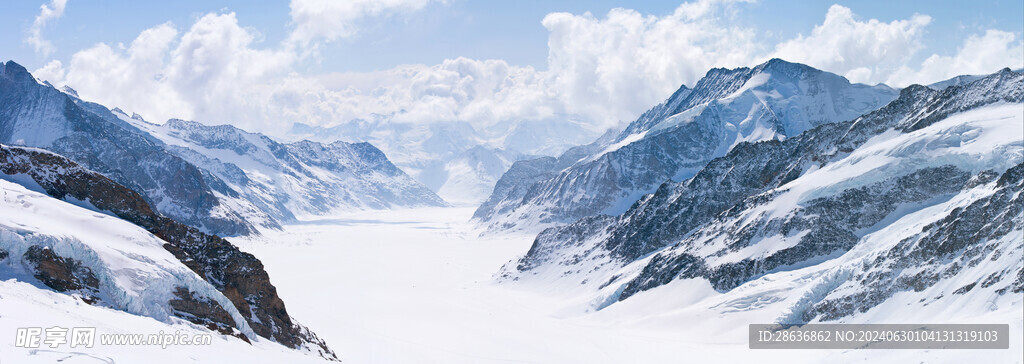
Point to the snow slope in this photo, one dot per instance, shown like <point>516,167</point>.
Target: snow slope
<point>135,273</point>
<point>24,305</point>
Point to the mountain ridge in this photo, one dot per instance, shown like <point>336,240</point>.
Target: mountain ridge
<point>191,183</point>
<point>809,201</point>
<point>674,139</point>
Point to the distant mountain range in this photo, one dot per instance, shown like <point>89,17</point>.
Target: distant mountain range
<point>460,162</point>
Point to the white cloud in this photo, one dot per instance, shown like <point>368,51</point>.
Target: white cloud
<point>980,54</point>
<point>215,73</point>
<point>211,73</point>
<point>614,68</point>
<point>863,51</point>
<point>330,20</point>
<point>607,69</point>
<point>49,12</point>
<point>483,92</point>
<point>52,71</point>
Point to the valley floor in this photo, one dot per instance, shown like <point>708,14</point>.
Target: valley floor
<point>418,286</point>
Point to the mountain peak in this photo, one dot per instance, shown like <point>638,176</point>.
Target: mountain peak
<point>15,71</point>
<point>70,91</point>
<point>791,69</point>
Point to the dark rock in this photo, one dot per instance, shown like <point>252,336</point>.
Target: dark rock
<point>940,251</point>
<point>205,312</point>
<point>62,274</point>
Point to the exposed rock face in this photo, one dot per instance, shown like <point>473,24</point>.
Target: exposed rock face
<point>203,311</point>
<point>673,141</point>
<point>826,226</point>
<point>36,115</point>
<point>62,274</point>
<point>964,238</point>
<point>238,275</point>
<point>771,206</point>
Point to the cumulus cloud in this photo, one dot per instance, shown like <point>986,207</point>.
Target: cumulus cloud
<point>215,73</point>
<point>211,71</point>
<point>980,54</point>
<point>612,69</point>
<point>47,13</point>
<point>330,20</point>
<point>482,92</point>
<point>607,69</point>
<point>863,51</point>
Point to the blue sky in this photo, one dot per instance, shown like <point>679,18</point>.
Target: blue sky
<point>508,30</point>
<point>264,65</point>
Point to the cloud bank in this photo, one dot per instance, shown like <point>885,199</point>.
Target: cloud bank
<point>607,69</point>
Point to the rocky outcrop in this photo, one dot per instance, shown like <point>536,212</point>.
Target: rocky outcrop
<point>964,238</point>
<point>62,274</point>
<point>203,311</point>
<point>828,226</point>
<point>238,275</point>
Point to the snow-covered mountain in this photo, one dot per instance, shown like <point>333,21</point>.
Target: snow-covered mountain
<point>961,80</point>
<point>917,203</point>
<point>220,179</point>
<point>674,140</point>
<point>75,231</point>
<point>283,181</point>
<point>38,115</point>
<point>455,159</point>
